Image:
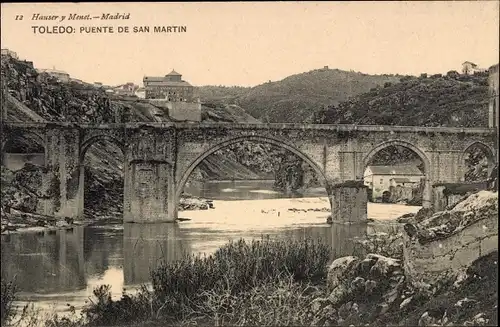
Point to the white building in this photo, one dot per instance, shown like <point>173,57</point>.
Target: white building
<point>469,68</point>
<point>141,93</point>
<point>10,53</point>
<point>381,178</point>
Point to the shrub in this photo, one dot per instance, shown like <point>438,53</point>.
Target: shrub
<point>8,298</point>
<point>279,303</point>
<point>181,287</point>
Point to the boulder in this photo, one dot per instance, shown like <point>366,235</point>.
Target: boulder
<point>339,269</point>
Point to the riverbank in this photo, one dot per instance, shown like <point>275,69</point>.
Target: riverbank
<point>143,245</point>
<point>288,283</point>
<point>20,221</point>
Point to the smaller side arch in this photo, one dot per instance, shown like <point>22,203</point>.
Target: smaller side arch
<point>369,156</point>
<point>87,143</point>
<point>261,139</point>
<point>489,152</point>
<point>427,193</point>
<point>11,135</point>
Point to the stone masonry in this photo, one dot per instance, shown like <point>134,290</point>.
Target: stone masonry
<point>159,157</point>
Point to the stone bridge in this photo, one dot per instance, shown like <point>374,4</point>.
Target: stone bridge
<point>159,157</point>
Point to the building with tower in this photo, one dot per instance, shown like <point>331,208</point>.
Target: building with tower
<point>170,87</point>
<point>174,94</point>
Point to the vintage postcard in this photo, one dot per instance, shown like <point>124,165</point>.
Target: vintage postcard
<point>249,163</point>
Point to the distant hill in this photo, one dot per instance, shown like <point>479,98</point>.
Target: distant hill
<point>296,97</point>
<point>451,100</point>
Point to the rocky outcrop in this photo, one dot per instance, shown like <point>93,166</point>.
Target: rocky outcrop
<point>359,290</point>
<point>194,203</point>
<point>451,240</point>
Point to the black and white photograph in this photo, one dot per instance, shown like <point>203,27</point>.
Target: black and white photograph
<point>267,163</point>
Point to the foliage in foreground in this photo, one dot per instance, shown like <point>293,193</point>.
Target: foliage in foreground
<point>8,297</point>
<point>204,288</point>
<point>295,299</point>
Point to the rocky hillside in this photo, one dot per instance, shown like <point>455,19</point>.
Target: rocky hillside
<point>453,100</point>
<point>296,97</point>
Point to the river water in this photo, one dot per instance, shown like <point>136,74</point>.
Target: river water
<point>57,268</point>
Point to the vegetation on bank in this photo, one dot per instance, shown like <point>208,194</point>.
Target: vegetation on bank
<point>272,282</point>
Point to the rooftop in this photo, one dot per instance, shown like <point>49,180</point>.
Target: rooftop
<point>154,80</point>
<point>396,170</point>
<point>469,62</point>
<point>173,73</point>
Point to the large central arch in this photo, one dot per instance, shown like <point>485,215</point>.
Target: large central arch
<point>259,139</point>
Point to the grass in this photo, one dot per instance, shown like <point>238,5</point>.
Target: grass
<point>8,296</point>
<point>236,285</point>
<point>273,282</point>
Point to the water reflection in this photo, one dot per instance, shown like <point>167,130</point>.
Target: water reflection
<point>147,245</point>
<point>62,267</point>
<point>45,262</point>
<point>82,258</point>
<point>339,238</point>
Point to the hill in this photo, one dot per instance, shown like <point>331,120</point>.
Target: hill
<point>296,97</point>
<point>452,100</point>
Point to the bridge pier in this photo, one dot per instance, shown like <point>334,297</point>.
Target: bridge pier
<point>148,192</point>
<point>349,201</point>
<point>61,180</point>
<point>427,194</point>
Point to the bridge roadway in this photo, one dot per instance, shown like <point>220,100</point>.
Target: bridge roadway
<point>159,157</point>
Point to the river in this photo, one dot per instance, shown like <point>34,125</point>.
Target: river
<point>57,268</point>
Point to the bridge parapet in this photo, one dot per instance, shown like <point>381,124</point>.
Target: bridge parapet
<point>159,157</point>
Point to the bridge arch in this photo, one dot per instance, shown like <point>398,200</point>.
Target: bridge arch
<point>427,193</point>
<point>38,139</point>
<point>87,143</point>
<point>254,138</point>
<point>401,143</point>
<point>487,150</point>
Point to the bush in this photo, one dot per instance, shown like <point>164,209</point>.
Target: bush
<point>182,286</point>
<point>8,298</point>
<point>218,288</point>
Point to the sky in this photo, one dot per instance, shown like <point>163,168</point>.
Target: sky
<point>249,43</point>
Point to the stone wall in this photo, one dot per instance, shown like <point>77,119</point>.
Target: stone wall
<point>476,236</point>
<point>349,202</point>
<point>448,194</point>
